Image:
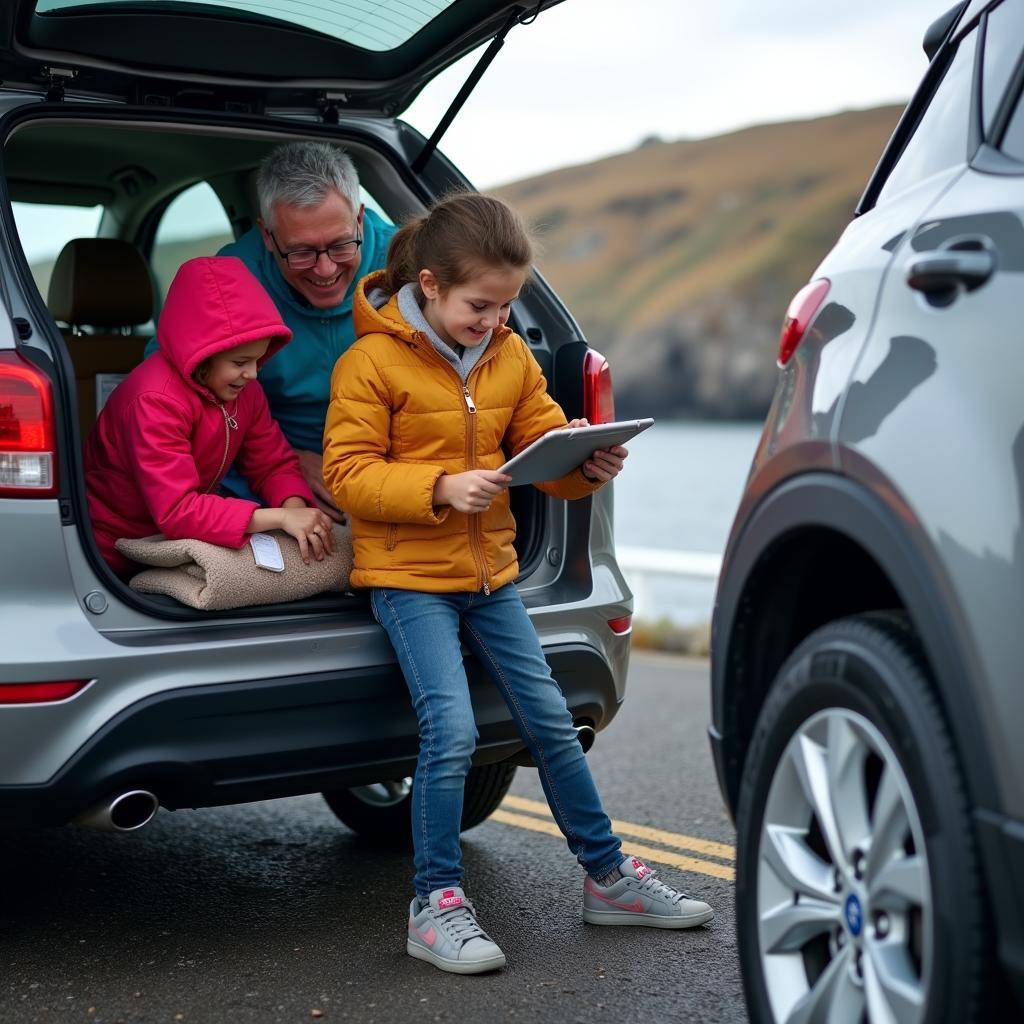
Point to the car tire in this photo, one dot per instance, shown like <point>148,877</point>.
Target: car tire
<point>858,889</point>
<point>383,812</point>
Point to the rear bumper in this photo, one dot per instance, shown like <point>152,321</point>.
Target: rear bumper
<point>210,745</point>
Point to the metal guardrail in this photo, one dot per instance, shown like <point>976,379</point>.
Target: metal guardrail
<point>640,565</point>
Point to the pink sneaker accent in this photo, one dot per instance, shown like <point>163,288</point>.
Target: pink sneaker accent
<point>448,900</point>
<point>429,936</point>
<point>642,870</point>
<point>636,907</point>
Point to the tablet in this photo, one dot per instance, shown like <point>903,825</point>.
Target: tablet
<point>559,451</point>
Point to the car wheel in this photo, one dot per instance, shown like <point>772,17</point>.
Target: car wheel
<point>858,890</point>
<point>382,812</point>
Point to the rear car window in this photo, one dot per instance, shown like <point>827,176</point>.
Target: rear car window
<point>1004,31</point>
<point>370,24</point>
<point>44,228</point>
<point>194,224</point>
<point>940,138</point>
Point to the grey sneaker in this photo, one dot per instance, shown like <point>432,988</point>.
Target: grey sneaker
<point>639,897</point>
<point>446,934</point>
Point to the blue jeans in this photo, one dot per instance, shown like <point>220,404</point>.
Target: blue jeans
<point>425,630</point>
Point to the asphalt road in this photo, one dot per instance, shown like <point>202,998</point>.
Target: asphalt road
<point>274,912</point>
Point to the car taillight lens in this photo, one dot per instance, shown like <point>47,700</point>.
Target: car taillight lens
<point>28,456</point>
<point>39,693</point>
<point>622,625</point>
<point>802,310</point>
<point>598,401</point>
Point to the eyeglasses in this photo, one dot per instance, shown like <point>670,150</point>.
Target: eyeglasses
<point>303,259</point>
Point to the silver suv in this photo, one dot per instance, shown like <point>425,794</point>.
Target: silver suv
<point>868,647</point>
<point>146,122</point>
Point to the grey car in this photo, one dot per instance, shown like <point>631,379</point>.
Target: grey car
<point>131,131</point>
<point>868,638</point>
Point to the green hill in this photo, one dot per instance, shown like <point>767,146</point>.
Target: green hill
<point>679,259</point>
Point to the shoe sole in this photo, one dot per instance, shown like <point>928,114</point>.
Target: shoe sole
<point>494,963</point>
<point>646,920</point>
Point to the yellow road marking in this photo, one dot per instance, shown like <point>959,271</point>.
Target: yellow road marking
<point>675,860</point>
<point>627,828</point>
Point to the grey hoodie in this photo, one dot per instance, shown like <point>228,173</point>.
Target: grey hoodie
<point>409,307</point>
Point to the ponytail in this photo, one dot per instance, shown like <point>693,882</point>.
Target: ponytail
<point>401,264</point>
<point>460,235</point>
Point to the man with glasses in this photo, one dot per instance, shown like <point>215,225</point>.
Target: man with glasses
<point>313,241</point>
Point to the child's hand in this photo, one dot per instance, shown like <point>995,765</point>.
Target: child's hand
<point>472,491</point>
<point>605,465</point>
<point>311,528</point>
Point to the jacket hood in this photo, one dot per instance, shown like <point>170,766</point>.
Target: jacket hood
<point>214,304</point>
<point>387,319</point>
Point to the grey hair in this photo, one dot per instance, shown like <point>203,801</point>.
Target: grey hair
<point>302,174</point>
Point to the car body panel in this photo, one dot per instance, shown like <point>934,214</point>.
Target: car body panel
<point>935,405</point>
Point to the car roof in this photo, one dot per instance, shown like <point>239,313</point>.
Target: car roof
<point>362,55</point>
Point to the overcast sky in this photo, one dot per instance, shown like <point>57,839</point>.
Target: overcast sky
<point>594,77</point>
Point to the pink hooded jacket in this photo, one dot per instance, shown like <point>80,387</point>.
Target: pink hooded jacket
<point>163,442</point>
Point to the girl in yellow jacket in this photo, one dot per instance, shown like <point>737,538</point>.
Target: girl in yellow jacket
<point>423,407</point>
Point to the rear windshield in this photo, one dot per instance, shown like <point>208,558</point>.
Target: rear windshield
<point>370,24</point>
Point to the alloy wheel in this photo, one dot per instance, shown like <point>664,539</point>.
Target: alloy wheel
<point>384,794</point>
<point>843,886</point>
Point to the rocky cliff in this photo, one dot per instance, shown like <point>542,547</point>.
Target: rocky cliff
<point>679,259</point>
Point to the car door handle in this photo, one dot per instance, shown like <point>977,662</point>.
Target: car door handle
<point>962,265</point>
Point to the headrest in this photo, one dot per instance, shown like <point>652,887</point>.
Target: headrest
<point>100,282</point>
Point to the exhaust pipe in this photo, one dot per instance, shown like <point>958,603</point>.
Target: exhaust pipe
<point>586,734</point>
<point>126,812</point>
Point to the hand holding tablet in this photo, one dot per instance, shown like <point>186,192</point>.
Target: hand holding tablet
<point>560,451</point>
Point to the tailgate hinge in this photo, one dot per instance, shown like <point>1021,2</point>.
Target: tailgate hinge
<point>57,77</point>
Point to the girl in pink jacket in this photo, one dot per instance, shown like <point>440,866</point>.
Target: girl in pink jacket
<point>171,430</point>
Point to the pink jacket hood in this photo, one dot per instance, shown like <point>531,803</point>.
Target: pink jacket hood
<point>214,304</point>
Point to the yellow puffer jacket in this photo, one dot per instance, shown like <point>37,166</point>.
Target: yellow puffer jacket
<point>398,419</point>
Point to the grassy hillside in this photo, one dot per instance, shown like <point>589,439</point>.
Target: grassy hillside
<point>679,259</point>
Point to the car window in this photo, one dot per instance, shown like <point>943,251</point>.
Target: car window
<point>194,224</point>
<point>940,139</point>
<point>373,26</point>
<point>1004,32</point>
<point>1013,140</point>
<point>45,228</point>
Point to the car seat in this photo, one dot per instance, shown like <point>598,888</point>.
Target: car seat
<point>101,291</point>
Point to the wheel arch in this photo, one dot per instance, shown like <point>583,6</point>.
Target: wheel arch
<point>820,547</point>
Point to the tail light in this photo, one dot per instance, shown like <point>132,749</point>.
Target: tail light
<point>598,402</point>
<point>622,625</point>
<point>39,693</point>
<point>28,454</point>
<point>802,310</point>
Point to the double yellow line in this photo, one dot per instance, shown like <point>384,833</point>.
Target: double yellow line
<point>537,818</point>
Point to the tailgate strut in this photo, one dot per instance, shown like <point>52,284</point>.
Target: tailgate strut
<point>515,15</point>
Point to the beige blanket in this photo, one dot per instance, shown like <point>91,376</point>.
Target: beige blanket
<point>216,578</point>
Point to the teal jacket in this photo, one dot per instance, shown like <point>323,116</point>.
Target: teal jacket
<point>297,381</point>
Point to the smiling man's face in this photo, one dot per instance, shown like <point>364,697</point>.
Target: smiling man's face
<point>324,284</point>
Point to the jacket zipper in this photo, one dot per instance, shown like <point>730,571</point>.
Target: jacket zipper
<point>230,423</point>
<point>391,538</point>
<point>475,530</point>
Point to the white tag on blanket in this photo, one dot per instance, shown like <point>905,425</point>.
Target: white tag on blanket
<point>267,552</point>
